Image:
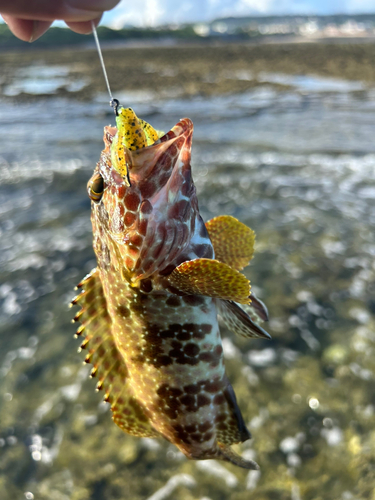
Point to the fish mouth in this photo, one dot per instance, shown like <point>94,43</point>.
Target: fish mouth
<point>110,132</point>
<point>158,159</point>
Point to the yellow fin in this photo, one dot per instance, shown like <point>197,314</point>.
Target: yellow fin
<point>212,278</point>
<point>108,365</point>
<point>233,242</point>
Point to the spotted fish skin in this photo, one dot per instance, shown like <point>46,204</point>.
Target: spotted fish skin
<point>155,346</point>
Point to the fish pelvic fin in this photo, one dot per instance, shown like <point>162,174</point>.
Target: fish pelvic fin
<point>233,242</point>
<point>257,309</point>
<point>211,278</point>
<point>109,367</point>
<point>237,319</point>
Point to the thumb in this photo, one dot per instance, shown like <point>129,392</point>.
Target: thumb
<point>26,30</point>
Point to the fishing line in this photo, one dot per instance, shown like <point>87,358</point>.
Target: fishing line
<point>113,102</point>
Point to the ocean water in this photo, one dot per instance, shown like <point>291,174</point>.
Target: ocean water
<point>298,166</point>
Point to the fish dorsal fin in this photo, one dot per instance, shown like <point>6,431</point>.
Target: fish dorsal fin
<point>233,242</point>
<point>211,278</point>
<point>108,365</point>
<point>237,320</point>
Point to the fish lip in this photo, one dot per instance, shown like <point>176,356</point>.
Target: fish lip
<point>111,130</point>
<point>141,162</point>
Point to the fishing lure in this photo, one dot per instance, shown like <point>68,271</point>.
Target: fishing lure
<point>149,310</point>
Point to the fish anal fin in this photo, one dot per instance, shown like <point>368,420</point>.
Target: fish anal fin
<point>233,429</point>
<point>238,321</point>
<point>109,367</point>
<point>211,278</point>
<point>233,242</point>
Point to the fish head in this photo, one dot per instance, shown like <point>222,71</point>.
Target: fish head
<point>144,206</point>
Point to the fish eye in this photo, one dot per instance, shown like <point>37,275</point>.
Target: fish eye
<point>95,188</point>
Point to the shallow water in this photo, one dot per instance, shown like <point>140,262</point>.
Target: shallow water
<point>297,166</point>
<point>41,79</point>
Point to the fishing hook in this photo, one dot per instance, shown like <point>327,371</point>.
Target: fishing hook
<point>114,103</point>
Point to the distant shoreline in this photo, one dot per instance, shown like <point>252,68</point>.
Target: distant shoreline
<point>263,29</point>
<point>188,69</point>
<point>215,42</point>
<point>136,43</point>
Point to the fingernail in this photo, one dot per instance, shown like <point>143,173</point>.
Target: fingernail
<point>38,29</point>
<point>33,31</point>
<point>95,5</point>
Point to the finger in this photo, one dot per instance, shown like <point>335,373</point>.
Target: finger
<point>83,27</point>
<point>27,30</point>
<point>47,10</point>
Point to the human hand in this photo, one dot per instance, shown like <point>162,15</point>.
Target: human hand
<point>29,19</point>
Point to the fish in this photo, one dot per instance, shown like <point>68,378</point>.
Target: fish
<point>149,310</point>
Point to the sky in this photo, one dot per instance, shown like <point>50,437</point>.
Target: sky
<point>156,12</point>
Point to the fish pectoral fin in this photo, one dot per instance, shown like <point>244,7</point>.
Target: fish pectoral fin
<point>237,320</point>
<point>109,366</point>
<point>211,278</point>
<point>233,242</point>
<point>229,455</point>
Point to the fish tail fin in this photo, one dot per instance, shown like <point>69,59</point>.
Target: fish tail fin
<point>226,453</point>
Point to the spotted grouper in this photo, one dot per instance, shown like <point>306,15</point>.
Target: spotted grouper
<point>149,310</point>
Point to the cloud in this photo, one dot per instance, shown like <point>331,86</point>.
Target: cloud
<point>141,13</point>
<point>156,12</point>
<point>244,7</point>
<point>360,5</point>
